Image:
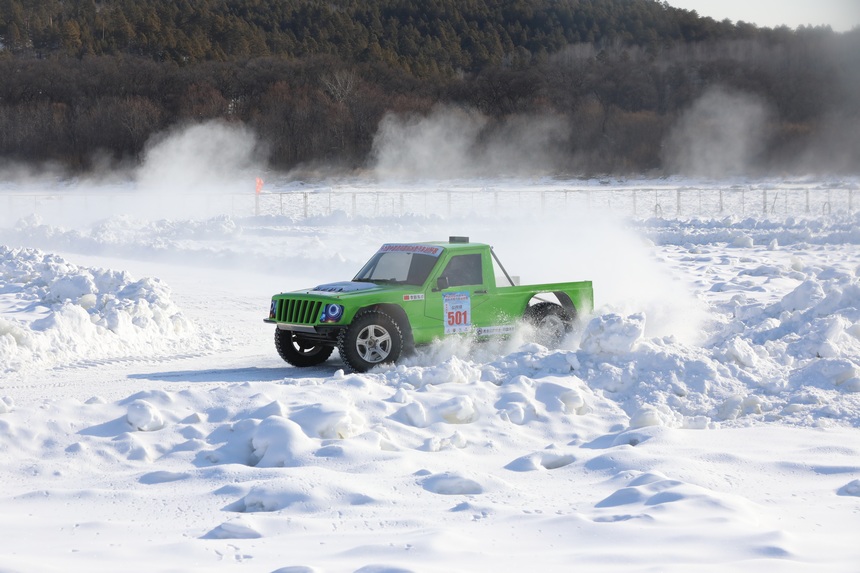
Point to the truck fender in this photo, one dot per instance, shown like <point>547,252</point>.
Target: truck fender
<point>566,303</point>
<point>399,315</point>
<point>563,299</point>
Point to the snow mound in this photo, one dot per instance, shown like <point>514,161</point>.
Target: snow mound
<point>452,483</point>
<point>144,416</point>
<point>851,488</point>
<point>654,497</point>
<point>237,528</point>
<point>53,312</point>
<point>613,334</point>
<point>279,442</point>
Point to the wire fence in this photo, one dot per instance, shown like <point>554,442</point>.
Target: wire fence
<point>637,203</point>
<point>664,202</point>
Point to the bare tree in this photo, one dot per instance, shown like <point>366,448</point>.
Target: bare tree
<point>339,85</point>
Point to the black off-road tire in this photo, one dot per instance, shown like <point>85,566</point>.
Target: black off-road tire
<point>373,338</point>
<point>300,352</point>
<point>550,321</point>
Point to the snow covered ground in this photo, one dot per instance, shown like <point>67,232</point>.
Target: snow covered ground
<point>706,417</point>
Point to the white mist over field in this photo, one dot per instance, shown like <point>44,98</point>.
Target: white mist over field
<point>210,157</point>
<point>704,416</point>
<point>721,134</point>
<point>453,142</point>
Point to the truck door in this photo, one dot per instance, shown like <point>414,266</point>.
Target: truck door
<point>464,303</point>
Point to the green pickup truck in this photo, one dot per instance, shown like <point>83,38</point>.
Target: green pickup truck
<point>411,294</point>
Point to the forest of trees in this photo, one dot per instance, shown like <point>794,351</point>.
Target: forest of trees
<point>84,81</point>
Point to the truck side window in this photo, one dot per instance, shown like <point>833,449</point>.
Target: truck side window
<point>464,270</point>
<point>420,269</point>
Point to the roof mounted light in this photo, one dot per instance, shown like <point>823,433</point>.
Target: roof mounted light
<point>458,239</point>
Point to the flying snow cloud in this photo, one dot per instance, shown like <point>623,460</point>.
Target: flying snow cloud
<point>720,135</point>
<point>202,158</point>
<point>455,142</point>
<point>628,277</point>
<point>422,146</point>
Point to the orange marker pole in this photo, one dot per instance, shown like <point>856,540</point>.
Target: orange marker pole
<point>257,197</point>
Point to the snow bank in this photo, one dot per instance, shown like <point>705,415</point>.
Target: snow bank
<point>738,233</point>
<point>53,312</point>
<point>288,463</point>
<point>797,360</point>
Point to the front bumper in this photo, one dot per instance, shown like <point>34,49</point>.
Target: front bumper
<point>316,332</point>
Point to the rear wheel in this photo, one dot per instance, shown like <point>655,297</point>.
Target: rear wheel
<point>550,321</point>
<point>298,351</point>
<point>373,338</point>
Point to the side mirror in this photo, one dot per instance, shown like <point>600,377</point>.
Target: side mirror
<point>442,283</point>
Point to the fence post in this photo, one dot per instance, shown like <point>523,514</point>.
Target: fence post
<point>306,204</point>
<point>764,201</point>
<point>678,200</point>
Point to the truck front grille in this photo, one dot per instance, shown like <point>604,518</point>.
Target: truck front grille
<point>298,311</point>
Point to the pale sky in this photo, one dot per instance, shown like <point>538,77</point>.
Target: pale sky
<point>841,15</point>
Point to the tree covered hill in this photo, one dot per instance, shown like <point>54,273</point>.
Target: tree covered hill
<point>423,36</point>
<point>85,79</point>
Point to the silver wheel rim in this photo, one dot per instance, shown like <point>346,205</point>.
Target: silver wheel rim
<point>373,343</point>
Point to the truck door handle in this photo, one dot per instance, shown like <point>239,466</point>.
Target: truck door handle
<point>480,292</point>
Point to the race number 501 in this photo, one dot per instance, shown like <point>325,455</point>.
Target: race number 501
<point>458,318</point>
<point>457,312</point>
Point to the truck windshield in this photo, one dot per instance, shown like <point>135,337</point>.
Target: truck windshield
<point>397,268</point>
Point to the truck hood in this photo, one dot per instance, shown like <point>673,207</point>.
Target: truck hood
<point>343,287</point>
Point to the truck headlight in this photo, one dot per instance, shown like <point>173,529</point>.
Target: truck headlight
<point>331,313</point>
<point>273,309</point>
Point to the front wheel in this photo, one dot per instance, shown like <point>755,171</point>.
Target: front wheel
<point>298,351</point>
<point>372,338</point>
<point>550,321</point>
